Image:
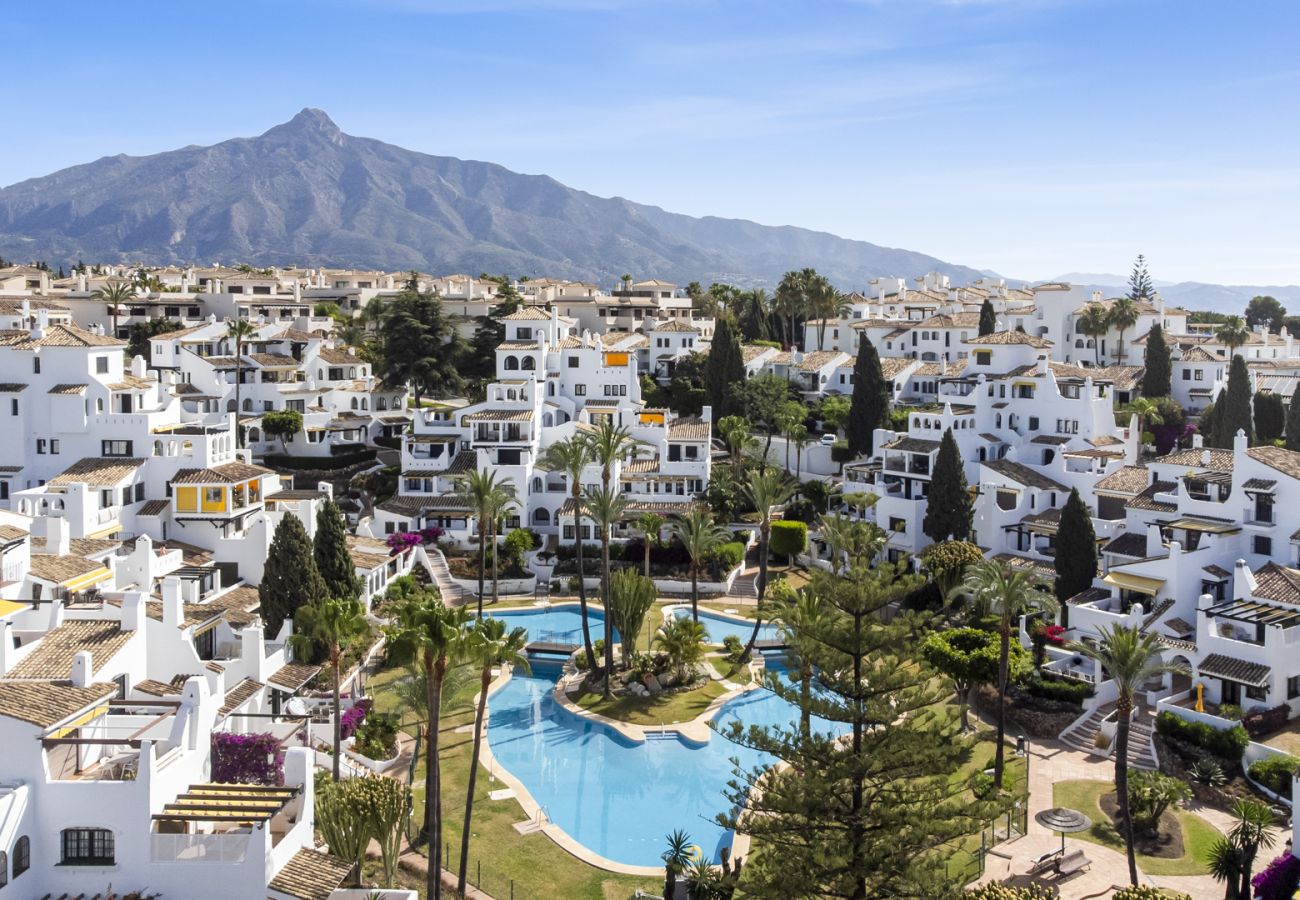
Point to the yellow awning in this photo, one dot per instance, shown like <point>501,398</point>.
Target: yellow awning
<point>1208,527</point>
<point>1140,583</point>
<point>12,606</point>
<point>106,531</point>
<point>85,581</point>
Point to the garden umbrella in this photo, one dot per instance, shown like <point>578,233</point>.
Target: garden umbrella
<point>1066,821</point>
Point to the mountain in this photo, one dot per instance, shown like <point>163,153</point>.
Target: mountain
<point>304,192</point>
<point>1230,299</point>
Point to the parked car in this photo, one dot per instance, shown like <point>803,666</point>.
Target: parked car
<point>828,440</point>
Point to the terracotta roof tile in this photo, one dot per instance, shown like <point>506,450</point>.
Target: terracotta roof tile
<point>51,658</point>
<point>46,703</point>
<point>309,875</point>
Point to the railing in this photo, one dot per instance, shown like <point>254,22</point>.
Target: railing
<point>211,848</point>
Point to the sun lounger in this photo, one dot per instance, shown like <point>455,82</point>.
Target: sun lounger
<point>1072,862</point>
<point>1044,862</point>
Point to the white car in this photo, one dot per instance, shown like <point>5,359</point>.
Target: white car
<point>828,440</point>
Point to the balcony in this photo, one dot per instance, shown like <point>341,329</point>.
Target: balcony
<point>218,848</point>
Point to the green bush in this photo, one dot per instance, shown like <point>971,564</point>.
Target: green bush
<point>1275,773</point>
<point>982,786</point>
<point>1064,690</point>
<point>1146,892</point>
<point>728,556</point>
<point>788,539</point>
<point>733,647</point>
<point>1226,744</point>
<point>993,891</point>
<point>376,736</point>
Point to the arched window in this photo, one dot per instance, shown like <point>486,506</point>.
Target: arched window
<point>248,404</point>
<point>230,406</point>
<point>550,388</point>
<point>541,517</point>
<point>529,363</point>
<point>157,448</point>
<point>365,403</point>
<point>381,404</point>
<point>354,402</point>
<point>254,435</point>
<point>320,374</point>
<point>4,868</point>
<point>187,448</point>
<point>512,363</point>
<point>22,855</point>
<point>537,485</point>
<point>87,847</point>
<point>511,395</point>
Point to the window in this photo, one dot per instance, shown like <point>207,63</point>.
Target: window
<point>22,855</point>
<point>40,446</point>
<point>1256,693</point>
<point>525,334</point>
<point>1187,374</point>
<point>1033,423</point>
<point>898,525</point>
<point>573,362</point>
<point>13,407</point>
<point>1263,545</point>
<point>580,390</point>
<point>1292,691</point>
<point>36,365</point>
<point>101,365</point>
<point>54,446</point>
<point>87,847</point>
<point>139,492</point>
<point>1199,375</point>
<point>115,448</point>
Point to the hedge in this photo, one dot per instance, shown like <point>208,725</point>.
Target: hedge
<point>1275,773</point>
<point>317,463</point>
<point>788,539</point>
<point>1226,744</point>
<point>1266,721</point>
<point>1060,689</point>
<point>730,555</point>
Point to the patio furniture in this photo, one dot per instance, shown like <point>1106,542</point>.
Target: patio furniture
<point>1045,862</point>
<point>1071,863</point>
<point>1063,820</point>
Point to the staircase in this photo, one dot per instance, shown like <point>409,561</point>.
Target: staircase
<point>1081,736</point>
<point>452,593</point>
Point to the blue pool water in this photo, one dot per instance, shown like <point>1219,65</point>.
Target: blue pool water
<point>560,624</point>
<point>718,627</point>
<point>613,796</point>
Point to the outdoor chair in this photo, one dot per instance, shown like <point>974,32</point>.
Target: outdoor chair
<point>1045,862</point>
<point>1072,863</point>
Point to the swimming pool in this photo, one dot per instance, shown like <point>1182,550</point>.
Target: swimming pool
<point>719,626</point>
<point>561,623</point>
<point>616,797</point>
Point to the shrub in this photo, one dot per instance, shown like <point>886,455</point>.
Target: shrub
<point>318,463</point>
<point>247,758</point>
<point>1266,721</point>
<point>376,738</point>
<point>1150,794</point>
<point>1279,880</point>
<point>351,719</point>
<point>995,891</point>
<point>1060,689</point>
<point>788,539</point>
<point>733,647</point>
<point>982,786</point>
<point>728,556</point>
<point>1228,743</point>
<point>1207,772</point>
<point>1275,773</point>
<point>1231,711</point>
<point>1146,892</point>
<point>516,544</point>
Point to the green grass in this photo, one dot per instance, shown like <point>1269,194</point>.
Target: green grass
<point>1198,834</point>
<point>664,709</point>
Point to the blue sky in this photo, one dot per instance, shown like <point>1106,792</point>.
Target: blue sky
<point>1032,137</point>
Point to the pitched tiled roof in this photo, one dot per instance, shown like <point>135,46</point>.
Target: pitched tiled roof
<point>1220,460</point>
<point>227,473</point>
<point>157,688</point>
<point>46,703</point>
<point>1023,474</point>
<point>51,659</point>
<point>675,326</point>
<point>1146,499</point>
<point>58,569</point>
<point>68,390</point>
<point>239,695</point>
<point>528,314</point>
<point>309,875</point>
<point>154,508</point>
<point>1010,337</point>
<point>1088,595</point>
<point>1125,480</point>
<point>500,415</point>
<point>1133,543</point>
<point>1274,582</point>
<point>1285,461</point>
<point>96,471</point>
<point>688,430</point>
<point>58,335</point>
<point>813,362</point>
<point>911,445</point>
<point>1220,665</point>
<point>292,676</point>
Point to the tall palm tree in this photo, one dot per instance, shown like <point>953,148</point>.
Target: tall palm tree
<point>609,444</point>
<point>649,524</point>
<point>428,632</point>
<point>676,859</point>
<point>1148,412</point>
<point>606,507</point>
<point>798,435</point>
<point>1233,334</point>
<point>1123,316</point>
<point>1008,594</point>
<point>800,627</point>
<point>572,456</point>
<point>1131,658</point>
<point>1095,323</point>
<point>489,646</point>
<point>767,489</point>
<point>736,433</point>
<point>790,415</point>
<point>699,536</point>
<point>824,302</point>
<point>788,303</point>
<point>238,331</point>
<point>334,623</point>
<point>114,293</point>
<point>1232,858</point>
<point>501,499</point>
<point>487,497</point>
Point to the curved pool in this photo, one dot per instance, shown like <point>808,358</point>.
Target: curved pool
<point>616,797</point>
<point>719,627</point>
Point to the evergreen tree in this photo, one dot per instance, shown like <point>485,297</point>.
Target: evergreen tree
<point>1270,417</point>
<point>330,551</point>
<point>1139,282</point>
<point>1076,549</point>
<point>948,508</point>
<point>870,806</point>
<point>870,404</point>
<point>724,370</point>
<point>1233,414</point>
<point>289,579</point>
<point>419,346</point>
<point>1159,372</point>
<point>1265,310</point>
<point>1207,424</point>
<point>1293,421</point>
<point>988,319</point>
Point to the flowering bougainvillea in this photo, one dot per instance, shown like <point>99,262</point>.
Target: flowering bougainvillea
<point>401,541</point>
<point>432,534</point>
<point>247,758</point>
<point>352,718</point>
<point>1279,881</point>
<point>1055,634</point>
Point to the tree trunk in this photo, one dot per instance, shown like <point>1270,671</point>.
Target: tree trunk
<point>1122,710</point>
<point>798,461</point>
<point>670,883</point>
<point>239,378</point>
<point>856,836</point>
<point>647,554</point>
<point>764,532</point>
<point>482,560</point>
<point>609,620</point>
<point>582,586</point>
<point>787,454</point>
<point>434,671</point>
<point>963,704</point>
<point>338,731</point>
<point>999,757</point>
<point>495,580</point>
<point>695,592</point>
<point>473,776</point>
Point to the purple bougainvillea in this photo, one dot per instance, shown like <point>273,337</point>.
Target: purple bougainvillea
<point>402,541</point>
<point>431,534</point>
<point>1279,881</point>
<point>352,718</point>
<point>247,758</point>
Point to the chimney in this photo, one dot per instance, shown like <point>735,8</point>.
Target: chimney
<point>707,413</point>
<point>137,366</point>
<point>1205,457</point>
<point>173,606</point>
<point>251,652</point>
<point>81,669</point>
<point>1239,443</point>
<point>133,607</point>
<point>58,535</point>
<point>1096,296</point>
<point>1198,441</point>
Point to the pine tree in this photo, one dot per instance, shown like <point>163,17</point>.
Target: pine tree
<point>724,370</point>
<point>870,403</point>
<point>1233,414</point>
<point>948,508</point>
<point>1293,421</point>
<point>289,579</point>
<point>330,551</point>
<point>1159,368</point>
<point>1139,282</point>
<point>1270,418</point>
<point>988,319</point>
<point>1076,549</point>
<point>871,805</point>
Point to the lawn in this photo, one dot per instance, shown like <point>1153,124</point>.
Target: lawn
<point>1198,834</point>
<point>664,709</point>
<point>536,866</point>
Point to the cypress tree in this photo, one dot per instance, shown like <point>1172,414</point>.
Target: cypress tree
<point>330,551</point>
<point>1233,414</point>
<point>988,320</point>
<point>948,508</point>
<point>1293,421</point>
<point>724,370</point>
<point>870,403</point>
<point>1076,549</point>
<point>1270,417</point>
<point>1159,371</point>
<point>289,579</point>
<point>1207,423</point>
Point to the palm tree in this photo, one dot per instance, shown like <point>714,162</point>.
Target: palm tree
<point>800,627</point>
<point>114,293</point>
<point>789,301</point>
<point>1131,658</point>
<point>790,415</point>
<point>1123,316</point>
<point>1148,412</point>
<point>606,506</point>
<point>1232,858</point>
<point>333,622</point>
<point>429,633</point>
<point>501,499</point>
<point>609,444</point>
<point>489,645</point>
<point>572,456</point>
<point>682,640</point>
<point>767,489</point>
<point>798,435</point>
<point>735,432</point>
<point>1233,334</point>
<point>824,302</point>
<point>676,858</point>
<point>239,330</point>
<point>699,536</point>
<point>1095,323</point>
<point>649,525</point>
<point>486,496</point>
<point>1008,594</point>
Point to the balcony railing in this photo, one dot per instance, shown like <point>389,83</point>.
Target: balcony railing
<point>210,848</point>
